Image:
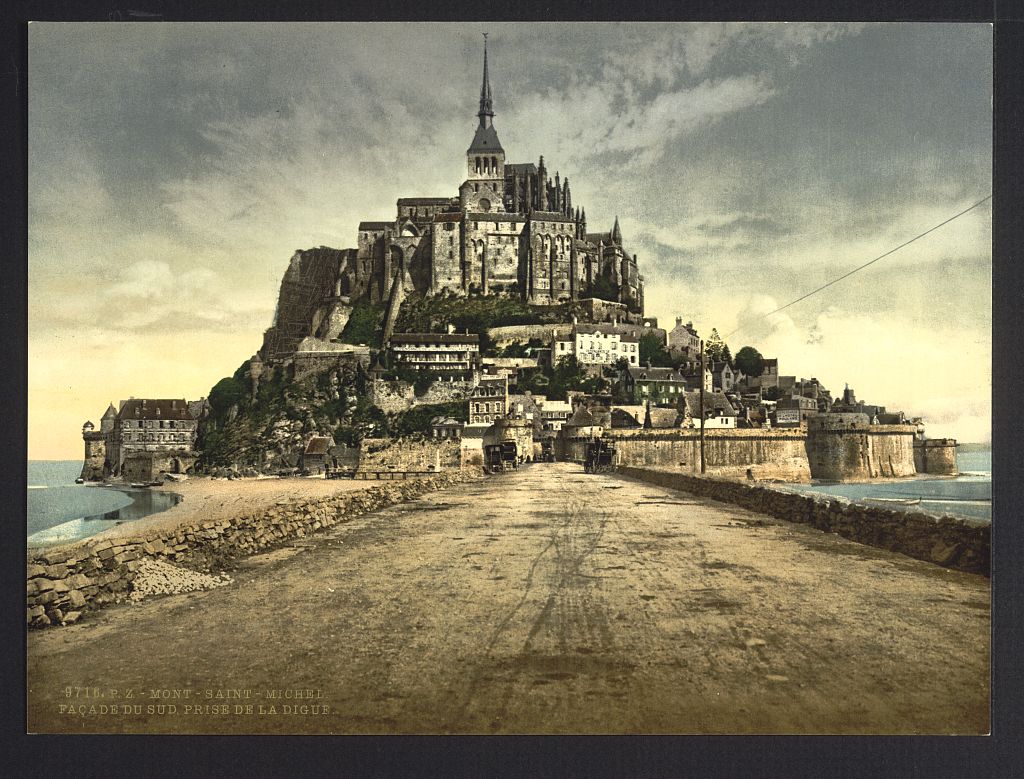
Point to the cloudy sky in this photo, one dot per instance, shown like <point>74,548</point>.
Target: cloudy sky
<point>174,169</point>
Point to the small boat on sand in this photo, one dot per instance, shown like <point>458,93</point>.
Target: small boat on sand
<point>895,501</point>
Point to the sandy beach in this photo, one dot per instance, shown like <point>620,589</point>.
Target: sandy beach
<point>205,499</point>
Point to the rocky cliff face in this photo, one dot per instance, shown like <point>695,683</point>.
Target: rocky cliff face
<point>314,299</point>
<point>266,432</point>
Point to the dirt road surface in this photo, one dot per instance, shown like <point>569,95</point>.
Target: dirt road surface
<point>541,601</point>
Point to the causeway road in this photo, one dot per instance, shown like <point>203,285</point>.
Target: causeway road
<point>545,600</point>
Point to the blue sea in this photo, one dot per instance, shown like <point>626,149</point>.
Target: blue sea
<point>60,511</point>
<point>967,495</point>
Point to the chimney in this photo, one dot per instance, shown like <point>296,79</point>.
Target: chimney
<point>679,321</point>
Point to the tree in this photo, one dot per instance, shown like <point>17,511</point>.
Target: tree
<point>749,361</point>
<point>567,375</point>
<point>726,354</point>
<point>652,350</point>
<point>714,346</point>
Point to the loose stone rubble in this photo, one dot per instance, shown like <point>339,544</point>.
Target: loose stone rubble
<point>155,577</point>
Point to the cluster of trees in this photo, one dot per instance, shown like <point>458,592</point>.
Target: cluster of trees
<point>748,359</point>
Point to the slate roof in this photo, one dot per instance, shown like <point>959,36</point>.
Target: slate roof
<point>620,418</point>
<point>713,401</point>
<point>582,418</point>
<point>144,408</point>
<point>374,225</point>
<point>643,373</point>
<point>662,418</point>
<point>435,338</point>
<point>485,140</point>
<point>423,201</point>
<point>445,422</point>
<point>521,168</point>
<point>318,444</point>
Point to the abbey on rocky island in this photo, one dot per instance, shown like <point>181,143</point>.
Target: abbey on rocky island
<point>510,229</point>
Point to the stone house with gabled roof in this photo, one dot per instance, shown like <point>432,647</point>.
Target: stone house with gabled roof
<point>145,437</point>
<point>657,385</point>
<point>718,411</point>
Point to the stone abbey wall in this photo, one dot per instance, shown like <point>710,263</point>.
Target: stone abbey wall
<point>67,582</point>
<point>948,541</point>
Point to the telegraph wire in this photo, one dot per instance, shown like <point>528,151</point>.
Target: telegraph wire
<point>859,268</point>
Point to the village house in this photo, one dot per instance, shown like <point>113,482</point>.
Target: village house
<point>658,385</point>
<point>598,345</point>
<point>718,411</point>
<point>444,428</point>
<point>794,410</point>
<point>316,454</point>
<point>450,356</point>
<point>489,400</point>
<point>553,413</point>
<point>724,376</point>
<point>510,367</point>
<point>683,341</point>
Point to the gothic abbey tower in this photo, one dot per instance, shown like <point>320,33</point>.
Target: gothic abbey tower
<point>511,229</point>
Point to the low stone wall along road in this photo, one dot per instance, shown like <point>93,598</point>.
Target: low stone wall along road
<point>540,601</point>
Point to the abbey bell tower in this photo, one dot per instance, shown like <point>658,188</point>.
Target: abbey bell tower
<point>484,189</point>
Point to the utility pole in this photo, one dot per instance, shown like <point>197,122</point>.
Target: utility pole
<point>702,375</point>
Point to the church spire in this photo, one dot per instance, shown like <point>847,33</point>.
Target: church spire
<point>616,233</point>
<point>486,113</point>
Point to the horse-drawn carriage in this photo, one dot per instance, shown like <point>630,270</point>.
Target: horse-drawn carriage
<point>547,451</point>
<point>600,456</point>
<point>500,457</point>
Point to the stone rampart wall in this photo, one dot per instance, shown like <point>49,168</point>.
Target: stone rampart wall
<point>64,583</point>
<point>947,541</point>
<point>852,454</point>
<point>147,466</point>
<point>396,396</point>
<point>505,335</point>
<point>409,454</point>
<point>936,456</point>
<point>95,457</point>
<point>767,454</point>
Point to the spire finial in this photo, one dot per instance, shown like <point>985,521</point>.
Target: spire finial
<point>486,105</point>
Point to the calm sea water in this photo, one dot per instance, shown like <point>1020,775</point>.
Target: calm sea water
<point>60,511</point>
<point>967,495</point>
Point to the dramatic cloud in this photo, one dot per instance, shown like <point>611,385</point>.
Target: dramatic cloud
<point>174,169</point>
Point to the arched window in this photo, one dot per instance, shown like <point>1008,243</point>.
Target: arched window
<point>477,164</point>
